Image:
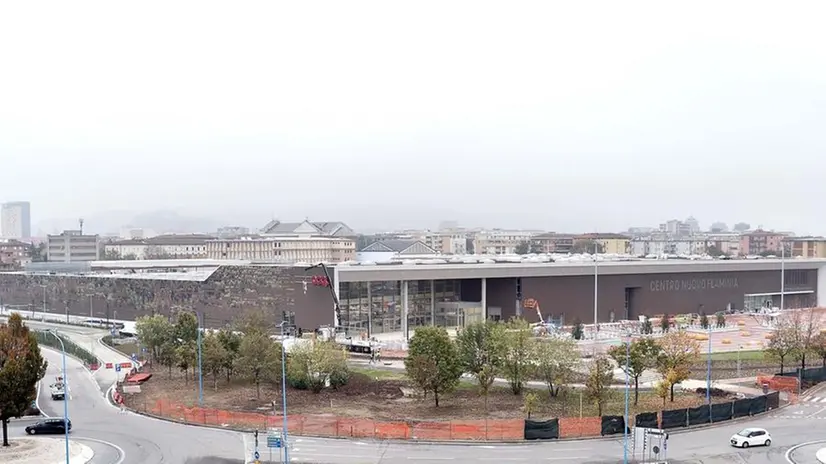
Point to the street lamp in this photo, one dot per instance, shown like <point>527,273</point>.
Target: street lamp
<point>596,292</point>
<point>782,273</point>
<point>284,391</point>
<point>708,373</point>
<point>65,395</point>
<point>627,389</point>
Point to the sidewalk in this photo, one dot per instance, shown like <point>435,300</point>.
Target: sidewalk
<point>40,450</point>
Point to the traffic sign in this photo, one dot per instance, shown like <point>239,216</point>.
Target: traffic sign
<point>256,455</point>
<point>117,367</point>
<point>273,442</point>
<point>134,357</point>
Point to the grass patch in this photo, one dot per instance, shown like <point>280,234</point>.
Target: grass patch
<point>380,374</point>
<point>750,355</point>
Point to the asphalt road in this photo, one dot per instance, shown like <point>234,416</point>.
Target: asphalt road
<point>137,439</point>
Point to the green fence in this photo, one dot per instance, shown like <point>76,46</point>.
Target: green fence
<point>50,339</point>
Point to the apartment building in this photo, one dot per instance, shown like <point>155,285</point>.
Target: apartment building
<point>608,243</point>
<point>501,241</point>
<point>806,247</point>
<point>552,242</point>
<point>667,245</point>
<point>16,220</point>
<point>13,254</point>
<point>169,246</point>
<point>727,243</point>
<point>72,246</point>
<point>761,242</point>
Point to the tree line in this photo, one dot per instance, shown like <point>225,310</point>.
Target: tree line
<point>244,351</point>
<point>796,338</point>
<point>489,350</point>
<point>21,368</point>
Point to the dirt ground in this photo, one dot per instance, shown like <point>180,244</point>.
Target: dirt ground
<point>382,397</point>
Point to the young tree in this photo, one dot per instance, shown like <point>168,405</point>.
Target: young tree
<point>782,343</point>
<point>598,383</point>
<point>665,323</point>
<point>186,327</point>
<point>314,364</point>
<point>21,368</point>
<point>531,401</point>
<point>186,354</point>
<point>153,332</point>
<point>578,330</point>
<point>520,351</point>
<point>482,350</point>
<point>819,347</point>
<point>432,361</point>
<point>704,323</point>
<point>556,362</point>
<point>678,352</point>
<point>805,325</point>
<point>167,356</point>
<point>231,341</point>
<point>662,388</point>
<point>259,359</point>
<point>646,328</point>
<point>643,352</point>
<point>214,359</point>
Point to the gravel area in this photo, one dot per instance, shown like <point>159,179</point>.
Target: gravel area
<point>37,450</point>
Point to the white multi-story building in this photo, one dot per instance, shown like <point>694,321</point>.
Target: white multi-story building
<point>500,241</point>
<point>170,246</point>
<point>283,249</point>
<point>72,246</point>
<point>660,245</point>
<point>290,242</point>
<point>16,220</point>
<point>445,242</point>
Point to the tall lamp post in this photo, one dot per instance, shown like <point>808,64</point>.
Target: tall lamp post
<point>627,389</point>
<point>782,273</point>
<point>708,373</point>
<point>65,396</point>
<point>284,391</point>
<point>596,293</point>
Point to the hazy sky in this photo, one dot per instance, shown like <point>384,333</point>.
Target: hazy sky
<point>567,116</point>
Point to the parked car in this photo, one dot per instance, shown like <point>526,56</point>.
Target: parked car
<point>55,425</point>
<point>751,436</point>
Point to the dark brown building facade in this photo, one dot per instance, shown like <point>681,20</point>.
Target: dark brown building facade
<point>633,295</point>
<point>280,292</point>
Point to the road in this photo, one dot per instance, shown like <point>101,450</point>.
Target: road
<point>143,440</point>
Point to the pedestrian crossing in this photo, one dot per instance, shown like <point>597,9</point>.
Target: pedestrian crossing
<point>813,399</point>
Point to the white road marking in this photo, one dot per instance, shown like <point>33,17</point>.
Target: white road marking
<point>568,458</point>
<point>435,458</point>
<point>816,412</point>
<point>121,452</point>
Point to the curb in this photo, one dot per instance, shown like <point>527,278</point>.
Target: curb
<point>680,430</point>
<point>821,455</point>
<point>86,454</point>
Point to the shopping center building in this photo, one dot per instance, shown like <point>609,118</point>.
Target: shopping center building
<point>396,298</point>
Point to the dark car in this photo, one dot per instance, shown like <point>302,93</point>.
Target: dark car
<point>48,426</point>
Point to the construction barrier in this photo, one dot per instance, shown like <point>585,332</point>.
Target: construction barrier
<point>459,430</point>
<point>787,383</point>
<point>574,427</point>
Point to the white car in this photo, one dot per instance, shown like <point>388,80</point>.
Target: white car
<point>751,436</point>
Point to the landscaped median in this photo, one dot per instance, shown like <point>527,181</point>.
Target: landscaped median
<point>329,425</point>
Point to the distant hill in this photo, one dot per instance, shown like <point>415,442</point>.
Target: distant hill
<point>161,221</point>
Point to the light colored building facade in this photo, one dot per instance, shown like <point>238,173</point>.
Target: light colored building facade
<point>170,246</point>
<point>72,246</point>
<point>16,220</point>
<point>283,249</point>
<point>761,242</point>
<point>501,241</point>
<point>661,245</point>
<point>13,254</point>
<point>232,232</point>
<point>807,247</point>
<point>290,242</point>
<point>616,244</point>
<point>552,242</point>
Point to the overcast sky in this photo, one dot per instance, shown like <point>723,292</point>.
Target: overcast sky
<point>566,116</point>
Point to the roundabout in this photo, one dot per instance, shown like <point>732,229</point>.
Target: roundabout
<point>124,437</point>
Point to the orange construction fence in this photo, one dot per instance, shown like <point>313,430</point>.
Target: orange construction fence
<point>333,426</point>
<point>781,383</point>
